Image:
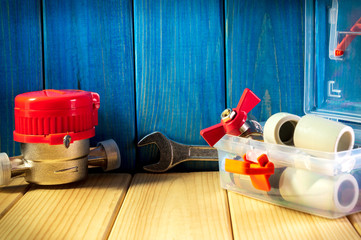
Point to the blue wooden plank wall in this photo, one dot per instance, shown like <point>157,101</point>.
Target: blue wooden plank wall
<point>20,61</point>
<point>264,48</point>
<point>88,45</point>
<point>179,52</point>
<point>171,66</point>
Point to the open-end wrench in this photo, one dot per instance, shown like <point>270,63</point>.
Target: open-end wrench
<point>173,153</point>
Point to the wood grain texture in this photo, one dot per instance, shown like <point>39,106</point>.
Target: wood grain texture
<point>180,82</point>
<point>20,61</point>
<point>174,206</point>
<point>264,52</point>
<point>88,45</point>
<point>355,219</point>
<point>11,194</point>
<point>83,210</point>
<point>253,219</point>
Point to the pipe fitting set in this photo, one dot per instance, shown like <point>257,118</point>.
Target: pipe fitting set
<point>301,177</point>
<point>54,128</point>
<point>309,132</point>
<point>319,135</point>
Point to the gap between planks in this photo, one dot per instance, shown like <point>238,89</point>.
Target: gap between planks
<point>12,193</point>
<point>355,220</point>
<point>174,206</point>
<point>82,210</point>
<point>171,206</point>
<point>254,219</point>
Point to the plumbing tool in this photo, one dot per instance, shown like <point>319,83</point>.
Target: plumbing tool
<point>53,128</point>
<point>173,153</point>
<point>232,120</point>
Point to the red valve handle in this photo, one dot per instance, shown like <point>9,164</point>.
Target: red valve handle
<point>232,126</point>
<point>259,172</point>
<point>341,47</point>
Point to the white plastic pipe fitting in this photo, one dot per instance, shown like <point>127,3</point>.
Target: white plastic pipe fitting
<point>308,132</point>
<point>279,128</point>
<point>320,134</point>
<point>322,192</point>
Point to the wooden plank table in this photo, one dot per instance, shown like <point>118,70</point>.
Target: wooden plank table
<point>155,206</point>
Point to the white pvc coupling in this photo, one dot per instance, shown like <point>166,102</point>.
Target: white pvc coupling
<point>308,132</point>
<point>320,134</point>
<point>279,128</point>
<point>330,193</point>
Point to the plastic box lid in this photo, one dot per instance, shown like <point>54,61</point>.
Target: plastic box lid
<point>333,61</point>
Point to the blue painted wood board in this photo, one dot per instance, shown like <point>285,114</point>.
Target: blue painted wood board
<point>88,45</point>
<point>180,78</point>
<point>20,61</point>
<point>170,66</point>
<point>264,52</point>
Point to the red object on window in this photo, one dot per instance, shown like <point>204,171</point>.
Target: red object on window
<point>341,47</point>
<point>259,172</point>
<point>247,102</point>
<point>48,116</point>
<point>339,53</point>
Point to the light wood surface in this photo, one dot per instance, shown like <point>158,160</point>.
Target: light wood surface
<point>155,206</point>
<point>84,210</point>
<point>253,219</point>
<point>355,220</point>
<point>174,206</point>
<point>10,194</point>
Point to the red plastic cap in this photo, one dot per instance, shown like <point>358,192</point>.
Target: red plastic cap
<point>47,116</point>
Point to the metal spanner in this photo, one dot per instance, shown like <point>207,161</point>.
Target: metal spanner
<point>173,153</point>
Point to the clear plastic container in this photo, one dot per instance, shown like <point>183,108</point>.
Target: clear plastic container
<point>320,183</point>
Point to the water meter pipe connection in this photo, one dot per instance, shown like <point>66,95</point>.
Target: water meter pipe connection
<point>54,128</point>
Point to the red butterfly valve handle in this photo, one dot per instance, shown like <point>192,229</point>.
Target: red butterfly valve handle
<point>259,172</point>
<point>232,120</point>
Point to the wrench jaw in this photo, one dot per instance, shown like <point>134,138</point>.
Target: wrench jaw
<point>157,167</point>
<point>173,153</point>
<point>165,149</point>
<point>151,138</point>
